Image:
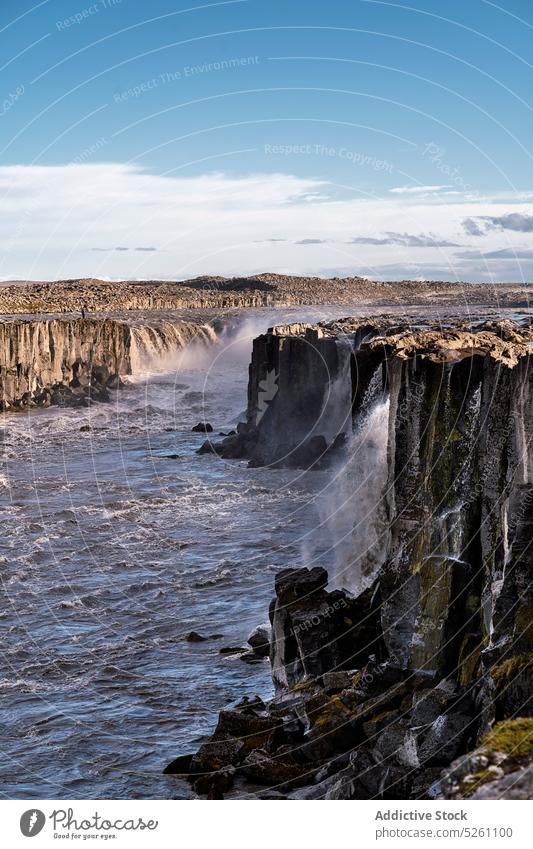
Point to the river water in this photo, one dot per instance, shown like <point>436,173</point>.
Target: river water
<point>112,550</point>
<point>119,540</point>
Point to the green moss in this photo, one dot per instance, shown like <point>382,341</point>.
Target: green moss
<point>512,737</point>
<point>472,603</point>
<point>475,781</point>
<point>505,672</point>
<point>303,685</point>
<point>469,659</point>
<point>332,712</point>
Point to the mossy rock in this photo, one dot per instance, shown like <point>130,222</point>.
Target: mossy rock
<point>513,737</point>
<point>477,780</point>
<point>468,662</point>
<point>504,673</point>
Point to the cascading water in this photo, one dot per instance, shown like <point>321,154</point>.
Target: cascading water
<point>161,347</point>
<point>351,507</point>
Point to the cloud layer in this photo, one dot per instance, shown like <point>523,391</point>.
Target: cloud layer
<point>120,221</point>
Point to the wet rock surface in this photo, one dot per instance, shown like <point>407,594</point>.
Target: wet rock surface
<point>416,683</point>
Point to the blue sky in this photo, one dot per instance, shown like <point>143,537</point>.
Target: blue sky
<point>177,138</point>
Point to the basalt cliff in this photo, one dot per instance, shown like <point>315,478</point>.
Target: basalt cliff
<point>408,674</point>
<point>73,361</point>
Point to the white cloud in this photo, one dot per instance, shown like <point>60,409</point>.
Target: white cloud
<point>419,190</point>
<point>120,221</point>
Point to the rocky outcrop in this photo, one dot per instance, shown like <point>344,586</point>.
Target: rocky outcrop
<point>71,362</point>
<point>214,292</point>
<point>419,669</point>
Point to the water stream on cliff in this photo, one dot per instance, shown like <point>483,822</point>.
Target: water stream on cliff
<point>118,540</point>
<point>351,505</point>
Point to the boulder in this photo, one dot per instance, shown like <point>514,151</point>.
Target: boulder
<point>279,771</point>
<point>202,427</point>
<point>179,766</point>
<point>259,639</point>
<point>213,785</point>
<point>315,631</point>
<point>232,650</point>
<point>217,754</point>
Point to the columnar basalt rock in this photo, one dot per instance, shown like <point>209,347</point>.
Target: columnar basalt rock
<point>44,361</point>
<point>72,361</point>
<point>377,696</point>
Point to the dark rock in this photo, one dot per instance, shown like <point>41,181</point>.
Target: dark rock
<point>253,704</point>
<point>208,447</point>
<point>85,428</point>
<point>232,650</point>
<point>179,766</point>
<point>252,657</point>
<point>194,637</point>
<point>334,682</point>
<point>254,729</point>
<point>43,398</point>
<point>308,455</point>
<point>271,795</point>
<point>214,784</point>
<point>444,739</point>
<point>217,754</point>
<point>114,382</point>
<point>378,722</point>
<point>292,584</point>
<point>202,427</point>
<point>100,374</point>
<point>315,631</point>
<point>259,639</point>
<point>259,766</point>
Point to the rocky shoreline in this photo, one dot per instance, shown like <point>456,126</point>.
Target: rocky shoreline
<point>415,681</point>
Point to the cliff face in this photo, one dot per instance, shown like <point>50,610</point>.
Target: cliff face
<point>410,669</point>
<point>71,361</point>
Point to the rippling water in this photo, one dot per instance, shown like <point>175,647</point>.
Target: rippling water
<point>112,551</point>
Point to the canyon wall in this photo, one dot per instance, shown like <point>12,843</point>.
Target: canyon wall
<point>71,361</point>
<point>417,681</point>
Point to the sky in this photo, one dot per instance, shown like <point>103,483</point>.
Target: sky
<point>175,138</point>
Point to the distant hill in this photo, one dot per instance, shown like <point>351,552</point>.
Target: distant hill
<point>102,296</point>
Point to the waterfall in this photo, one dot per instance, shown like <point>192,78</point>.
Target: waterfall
<point>351,508</point>
<point>160,347</point>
